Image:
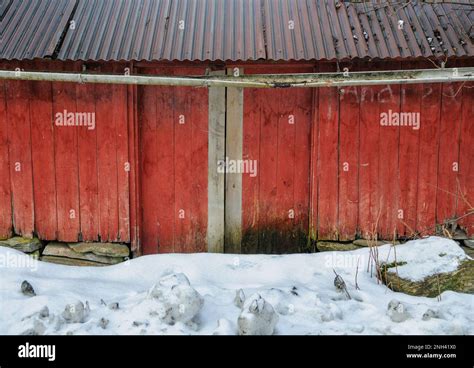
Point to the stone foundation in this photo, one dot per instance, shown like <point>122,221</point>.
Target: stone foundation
<point>73,254</point>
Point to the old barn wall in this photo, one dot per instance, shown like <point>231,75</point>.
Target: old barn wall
<point>326,167</point>
<point>173,125</point>
<point>64,183</point>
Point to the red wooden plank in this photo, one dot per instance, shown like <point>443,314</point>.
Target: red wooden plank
<point>123,162</point>
<point>409,153</point>
<point>18,115</point>
<point>250,185</point>
<point>328,160</point>
<point>184,182</point>
<point>133,149</point>
<point>66,163</point>
<point>314,166</point>
<point>286,136</point>
<point>5,189</point>
<point>183,140</point>
<point>303,103</point>
<point>448,155</point>
<point>428,159</point>
<point>349,163</point>
<point>199,104</point>
<point>466,162</point>
<point>268,172</point>
<point>369,161</point>
<point>44,173</point>
<point>388,174</point>
<point>87,155</point>
<point>107,162</point>
<point>147,115</point>
<point>165,151</point>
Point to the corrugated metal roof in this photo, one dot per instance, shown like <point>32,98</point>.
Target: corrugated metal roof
<point>233,30</point>
<point>329,29</point>
<point>165,30</point>
<point>32,28</point>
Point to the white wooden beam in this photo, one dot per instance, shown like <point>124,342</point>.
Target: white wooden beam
<point>233,189</point>
<point>216,179</point>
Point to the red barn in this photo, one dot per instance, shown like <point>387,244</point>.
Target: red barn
<point>215,163</point>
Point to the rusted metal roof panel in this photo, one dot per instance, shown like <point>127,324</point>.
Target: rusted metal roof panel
<point>235,30</point>
<point>337,30</point>
<point>33,28</point>
<point>165,30</point>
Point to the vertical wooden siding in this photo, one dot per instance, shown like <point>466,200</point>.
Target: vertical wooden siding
<point>66,183</point>
<point>275,202</point>
<point>409,180</point>
<point>340,173</point>
<point>173,162</point>
<point>365,179</point>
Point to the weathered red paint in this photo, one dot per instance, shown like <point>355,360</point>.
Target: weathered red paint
<point>6,219</point>
<point>369,194</point>
<point>19,138</point>
<point>44,178</point>
<point>276,134</point>
<point>67,165</point>
<point>88,170</point>
<point>448,153</point>
<point>121,141</point>
<point>389,144</point>
<point>428,159</point>
<point>301,166</point>
<point>173,164</point>
<point>466,161</point>
<point>133,154</point>
<point>313,165</point>
<point>55,192</point>
<point>328,160</point>
<point>348,167</point>
<point>409,156</point>
<point>303,119</point>
<point>250,185</point>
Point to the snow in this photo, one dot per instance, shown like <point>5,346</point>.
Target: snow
<point>425,257</point>
<point>300,288</point>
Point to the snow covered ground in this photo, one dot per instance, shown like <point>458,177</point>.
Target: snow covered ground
<point>300,288</point>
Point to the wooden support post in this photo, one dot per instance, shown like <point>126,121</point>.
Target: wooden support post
<point>233,189</point>
<point>216,179</point>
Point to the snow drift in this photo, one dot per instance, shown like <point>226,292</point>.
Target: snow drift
<point>200,294</point>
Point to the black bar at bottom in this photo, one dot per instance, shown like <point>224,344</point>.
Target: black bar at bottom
<point>324,351</point>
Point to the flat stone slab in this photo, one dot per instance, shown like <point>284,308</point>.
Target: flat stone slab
<point>326,246</point>
<point>63,250</point>
<point>460,235</point>
<point>101,249</point>
<point>468,251</point>
<point>22,244</point>
<point>367,243</point>
<point>70,261</point>
<point>469,243</point>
